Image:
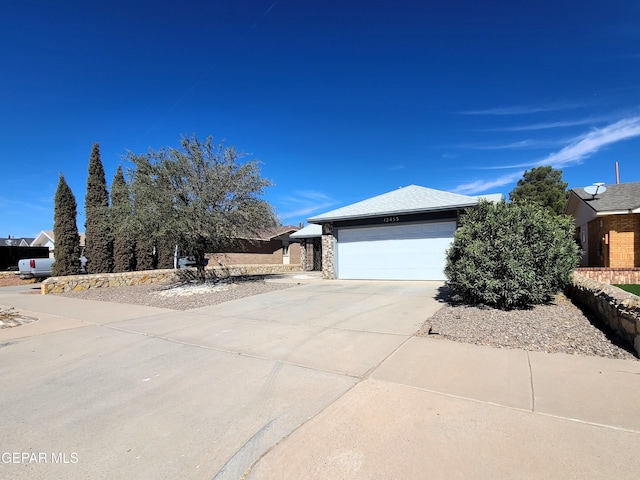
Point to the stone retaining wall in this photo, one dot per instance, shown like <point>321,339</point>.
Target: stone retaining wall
<point>612,276</point>
<point>618,309</point>
<point>73,283</point>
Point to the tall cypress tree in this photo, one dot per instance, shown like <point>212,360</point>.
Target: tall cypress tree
<point>65,231</point>
<point>147,216</point>
<point>99,243</point>
<point>124,259</point>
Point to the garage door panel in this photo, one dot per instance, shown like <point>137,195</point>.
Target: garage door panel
<point>397,252</point>
<point>399,232</point>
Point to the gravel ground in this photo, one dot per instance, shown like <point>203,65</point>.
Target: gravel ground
<point>560,327</point>
<point>183,296</point>
<point>13,281</point>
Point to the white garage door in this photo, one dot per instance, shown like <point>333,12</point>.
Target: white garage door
<point>394,252</point>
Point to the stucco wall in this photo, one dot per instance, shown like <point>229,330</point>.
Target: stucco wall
<point>617,309</point>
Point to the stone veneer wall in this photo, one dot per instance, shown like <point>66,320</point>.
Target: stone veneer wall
<point>618,309</point>
<point>328,266</point>
<point>310,254</point>
<point>73,283</point>
<point>612,276</point>
<point>303,256</point>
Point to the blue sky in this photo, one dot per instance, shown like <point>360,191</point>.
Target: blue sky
<point>340,100</point>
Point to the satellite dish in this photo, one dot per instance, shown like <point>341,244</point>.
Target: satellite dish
<point>595,189</point>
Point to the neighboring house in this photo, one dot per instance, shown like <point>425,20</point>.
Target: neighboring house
<point>15,242</point>
<point>400,235</point>
<point>310,238</point>
<point>608,225</point>
<point>272,247</point>
<point>46,239</point>
<point>14,249</point>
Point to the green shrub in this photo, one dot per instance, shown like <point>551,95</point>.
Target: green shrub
<point>511,255</point>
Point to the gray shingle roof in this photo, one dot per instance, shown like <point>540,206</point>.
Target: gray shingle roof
<point>624,196</point>
<point>16,241</point>
<point>411,199</point>
<point>310,231</point>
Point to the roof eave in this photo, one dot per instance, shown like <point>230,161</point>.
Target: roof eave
<point>603,213</point>
<point>321,219</point>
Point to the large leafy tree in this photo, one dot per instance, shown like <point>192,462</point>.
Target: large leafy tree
<point>543,186</point>
<point>99,241</point>
<point>511,255</point>
<point>207,197</point>
<point>124,259</point>
<point>65,231</point>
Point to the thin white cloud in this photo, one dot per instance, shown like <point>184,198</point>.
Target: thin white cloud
<point>304,212</point>
<point>480,186</point>
<point>547,126</point>
<point>22,206</point>
<point>522,109</point>
<point>304,202</point>
<point>593,141</point>
<point>521,144</point>
<point>505,146</point>
<point>509,167</point>
<point>573,154</point>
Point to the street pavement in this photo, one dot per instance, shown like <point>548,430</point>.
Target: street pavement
<point>324,380</point>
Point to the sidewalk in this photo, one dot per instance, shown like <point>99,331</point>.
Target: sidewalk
<point>439,409</point>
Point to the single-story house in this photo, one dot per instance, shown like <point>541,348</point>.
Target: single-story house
<point>400,235</point>
<point>271,246</point>
<point>608,225</point>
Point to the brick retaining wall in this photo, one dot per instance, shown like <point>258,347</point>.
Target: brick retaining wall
<point>73,283</point>
<point>612,276</point>
<point>618,309</point>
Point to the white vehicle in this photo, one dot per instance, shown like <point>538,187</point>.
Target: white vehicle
<point>180,261</point>
<point>35,267</point>
<point>42,267</point>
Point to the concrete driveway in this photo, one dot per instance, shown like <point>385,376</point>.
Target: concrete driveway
<point>124,391</point>
<point>324,380</point>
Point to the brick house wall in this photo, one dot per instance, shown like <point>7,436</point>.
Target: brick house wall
<point>263,253</point>
<point>614,241</point>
